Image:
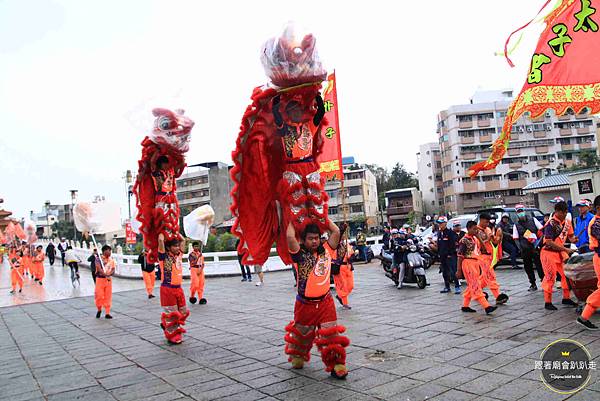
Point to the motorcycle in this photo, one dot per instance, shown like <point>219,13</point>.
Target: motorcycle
<point>414,271</point>
<point>356,257</point>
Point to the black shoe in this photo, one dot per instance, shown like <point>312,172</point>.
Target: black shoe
<point>98,314</point>
<point>467,309</point>
<point>202,301</point>
<point>490,309</point>
<point>549,306</point>
<point>20,290</point>
<point>244,279</point>
<point>193,300</point>
<point>516,267</point>
<point>445,290</point>
<point>162,326</point>
<point>108,316</point>
<point>502,299</point>
<point>532,287</point>
<point>35,279</point>
<point>339,299</point>
<point>486,295</point>
<point>587,324</point>
<point>569,301</point>
<point>12,292</point>
<point>41,283</point>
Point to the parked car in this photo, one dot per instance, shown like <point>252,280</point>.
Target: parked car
<point>512,213</point>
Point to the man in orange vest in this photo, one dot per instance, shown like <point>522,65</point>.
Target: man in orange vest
<point>16,270</point>
<point>315,318</point>
<point>172,297</point>
<point>488,276</point>
<point>37,263</point>
<point>196,260</point>
<point>105,267</point>
<point>593,300</point>
<point>342,270</point>
<point>469,263</point>
<point>556,232</point>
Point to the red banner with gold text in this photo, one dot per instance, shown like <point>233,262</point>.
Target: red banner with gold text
<point>330,159</point>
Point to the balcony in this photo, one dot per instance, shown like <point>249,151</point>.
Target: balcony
<point>467,140</point>
<point>486,154</point>
<point>517,184</point>
<point>586,145</point>
<point>566,132</point>
<point>583,116</point>
<point>514,152</point>
<point>539,134</point>
<point>483,123</point>
<point>539,119</point>
<point>468,156</point>
<point>515,165</point>
<point>514,136</point>
<point>471,187</point>
<point>543,163</point>
<point>403,210</point>
<point>569,163</point>
<point>541,149</point>
<point>567,147</point>
<point>485,138</point>
<point>583,131</point>
<point>491,185</point>
<point>465,124</point>
<point>564,117</point>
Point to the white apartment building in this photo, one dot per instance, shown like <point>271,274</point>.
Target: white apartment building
<point>429,172</point>
<point>538,147</point>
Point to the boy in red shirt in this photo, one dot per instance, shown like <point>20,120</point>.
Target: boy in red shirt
<point>172,298</point>
<point>315,318</point>
<point>196,260</point>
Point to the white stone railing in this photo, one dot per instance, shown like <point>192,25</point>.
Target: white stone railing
<point>216,263</point>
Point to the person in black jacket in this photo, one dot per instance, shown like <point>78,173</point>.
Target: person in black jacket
<point>92,259</point>
<point>445,242</point>
<point>529,253</point>
<point>51,253</point>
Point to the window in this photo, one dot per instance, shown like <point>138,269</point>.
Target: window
<point>501,114</point>
<point>353,191</point>
<point>446,169</point>
<point>495,177</point>
<point>332,193</point>
<point>447,183</point>
<point>485,116</point>
<point>584,139</point>
<point>356,208</point>
<point>438,164</point>
<point>466,118</point>
<point>564,141</point>
<point>466,134</point>
<point>333,210</point>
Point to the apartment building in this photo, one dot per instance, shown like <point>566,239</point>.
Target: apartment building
<point>402,204</point>
<point>205,184</point>
<point>429,172</point>
<point>357,201</point>
<point>538,148</point>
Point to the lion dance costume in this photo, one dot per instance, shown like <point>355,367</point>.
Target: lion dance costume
<point>161,163</point>
<point>277,181</point>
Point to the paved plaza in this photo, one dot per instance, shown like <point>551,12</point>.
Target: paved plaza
<point>57,350</point>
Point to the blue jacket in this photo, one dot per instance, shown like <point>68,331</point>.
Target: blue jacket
<point>581,228</point>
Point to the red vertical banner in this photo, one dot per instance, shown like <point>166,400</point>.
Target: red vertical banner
<point>130,237</point>
<point>330,159</point>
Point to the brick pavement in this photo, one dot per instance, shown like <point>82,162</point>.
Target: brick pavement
<point>234,347</point>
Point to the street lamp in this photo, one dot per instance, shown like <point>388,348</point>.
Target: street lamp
<point>47,208</point>
<point>129,180</point>
<point>73,198</point>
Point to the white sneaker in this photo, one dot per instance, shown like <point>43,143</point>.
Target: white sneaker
<point>258,283</point>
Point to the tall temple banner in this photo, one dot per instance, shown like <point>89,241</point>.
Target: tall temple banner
<point>563,74</point>
<point>330,160</point>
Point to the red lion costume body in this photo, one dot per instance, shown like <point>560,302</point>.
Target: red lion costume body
<point>156,200</point>
<point>275,174</point>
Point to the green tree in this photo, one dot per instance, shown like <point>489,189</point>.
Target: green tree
<point>588,158</point>
<point>63,229</point>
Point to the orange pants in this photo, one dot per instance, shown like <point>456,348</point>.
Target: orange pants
<point>344,283</point>
<point>593,301</point>
<point>197,285</point>
<point>149,280</point>
<point>488,275</point>
<point>103,294</point>
<point>26,265</point>
<point>470,269</point>
<point>37,270</point>
<point>16,279</point>
<point>552,263</point>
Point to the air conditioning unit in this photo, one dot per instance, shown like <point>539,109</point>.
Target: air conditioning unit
<point>526,161</point>
<point>548,127</point>
<point>521,129</point>
<point>529,129</point>
<point>547,114</point>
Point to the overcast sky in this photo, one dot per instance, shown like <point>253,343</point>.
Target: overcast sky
<point>75,74</point>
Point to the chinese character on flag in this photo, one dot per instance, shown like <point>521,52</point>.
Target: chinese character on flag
<point>130,237</point>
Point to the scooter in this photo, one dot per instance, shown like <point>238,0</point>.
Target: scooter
<point>356,257</point>
<point>414,272</point>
